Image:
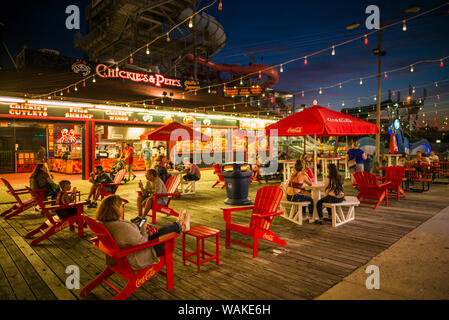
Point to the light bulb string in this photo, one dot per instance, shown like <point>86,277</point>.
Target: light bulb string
<point>397,90</point>
<point>435,96</point>
<point>135,51</point>
<point>369,76</point>
<point>341,82</point>
<point>254,73</point>
<point>310,54</point>
<point>330,47</point>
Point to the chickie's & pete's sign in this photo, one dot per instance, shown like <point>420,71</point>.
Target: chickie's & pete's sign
<point>156,79</point>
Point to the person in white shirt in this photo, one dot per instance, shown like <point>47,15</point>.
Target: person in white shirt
<point>433,157</point>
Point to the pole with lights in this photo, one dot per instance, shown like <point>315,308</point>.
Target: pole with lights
<point>378,51</point>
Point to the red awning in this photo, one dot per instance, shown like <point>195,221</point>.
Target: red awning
<point>164,133</point>
<point>322,122</point>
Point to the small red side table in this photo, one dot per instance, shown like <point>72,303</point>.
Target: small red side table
<point>201,233</point>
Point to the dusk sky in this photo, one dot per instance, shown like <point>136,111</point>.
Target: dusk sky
<point>283,30</point>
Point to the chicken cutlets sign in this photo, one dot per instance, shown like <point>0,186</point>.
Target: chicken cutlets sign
<point>156,79</point>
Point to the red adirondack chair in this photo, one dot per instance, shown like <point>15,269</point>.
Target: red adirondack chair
<point>53,223</point>
<point>395,175</point>
<point>217,171</point>
<point>135,278</point>
<point>117,182</point>
<point>21,205</point>
<point>263,211</point>
<point>369,188</point>
<point>171,185</point>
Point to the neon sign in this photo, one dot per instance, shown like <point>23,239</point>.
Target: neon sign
<point>78,113</point>
<point>118,115</point>
<point>27,110</point>
<point>157,80</point>
<point>68,136</point>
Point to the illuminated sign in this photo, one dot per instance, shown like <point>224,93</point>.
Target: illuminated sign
<point>188,119</point>
<point>250,91</point>
<point>68,136</point>
<point>191,85</point>
<point>27,110</point>
<point>252,124</point>
<point>78,113</point>
<point>156,79</point>
<point>118,115</point>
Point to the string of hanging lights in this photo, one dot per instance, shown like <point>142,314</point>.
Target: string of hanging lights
<point>130,56</point>
<point>254,73</point>
<point>282,64</point>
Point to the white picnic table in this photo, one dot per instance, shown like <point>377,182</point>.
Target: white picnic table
<point>315,190</point>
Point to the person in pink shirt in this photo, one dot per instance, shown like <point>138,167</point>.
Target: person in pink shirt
<point>192,172</point>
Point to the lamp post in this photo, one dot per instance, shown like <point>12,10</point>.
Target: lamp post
<point>378,51</point>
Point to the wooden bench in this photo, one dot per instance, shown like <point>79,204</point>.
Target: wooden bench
<point>338,216</point>
<point>295,213</point>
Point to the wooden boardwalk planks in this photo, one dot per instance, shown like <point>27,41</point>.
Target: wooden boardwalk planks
<point>315,259</point>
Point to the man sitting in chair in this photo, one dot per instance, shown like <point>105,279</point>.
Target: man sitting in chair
<point>154,185</point>
<point>192,172</point>
<point>96,178</point>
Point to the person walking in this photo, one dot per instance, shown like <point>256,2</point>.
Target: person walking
<point>129,160</point>
<point>146,155</point>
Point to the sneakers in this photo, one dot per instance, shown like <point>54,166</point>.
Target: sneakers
<point>136,219</point>
<point>134,177</point>
<point>184,220</point>
<point>92,205</point>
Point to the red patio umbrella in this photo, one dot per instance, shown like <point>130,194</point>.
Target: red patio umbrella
<point>164,133</point>
<point>322,122</point>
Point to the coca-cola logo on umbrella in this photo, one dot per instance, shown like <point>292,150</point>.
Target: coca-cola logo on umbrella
<point>295,130</point>
<point>81,67</point>
<point>339,120</point>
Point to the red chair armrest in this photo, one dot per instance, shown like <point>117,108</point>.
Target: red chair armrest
<point>70,205</point>
<point>112,184</point>
<point>156,195</point>
<point>129,250</point>
<point>384,184</point>
<point>227,211</point>
<point>238,208</point>
<point>269,214</point>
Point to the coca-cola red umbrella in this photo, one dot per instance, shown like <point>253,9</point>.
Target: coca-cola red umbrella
<point>173,132</point>
<point>322,122</point>
<point>164,133</point>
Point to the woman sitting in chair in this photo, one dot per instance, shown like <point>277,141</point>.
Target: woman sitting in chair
<point>40,179</point>
<point>127,234</point>
<point>297,180</point>
<point>333,187</point>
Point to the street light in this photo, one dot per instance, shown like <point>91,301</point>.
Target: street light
<point>378,51</point>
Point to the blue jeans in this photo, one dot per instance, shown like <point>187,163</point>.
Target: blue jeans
<point>299,197</point>
<point>174,227</point>
<point>327,199</point>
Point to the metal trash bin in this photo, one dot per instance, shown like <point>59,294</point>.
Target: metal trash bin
<point>237,184</point>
